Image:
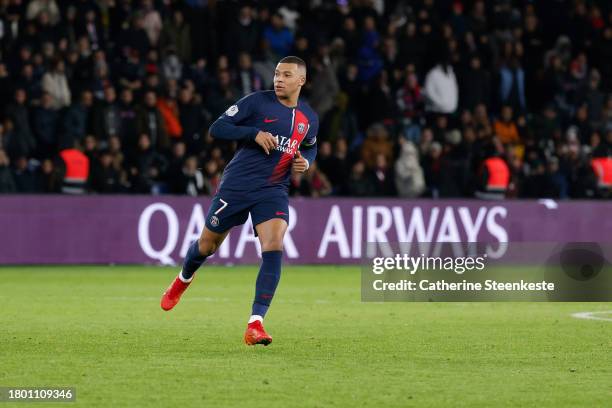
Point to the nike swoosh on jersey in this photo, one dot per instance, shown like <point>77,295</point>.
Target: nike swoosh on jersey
<point>266,120</point>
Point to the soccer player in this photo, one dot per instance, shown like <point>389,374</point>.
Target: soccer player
<point>278,133</point>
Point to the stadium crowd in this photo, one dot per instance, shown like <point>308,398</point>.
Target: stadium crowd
<point>429,98</point>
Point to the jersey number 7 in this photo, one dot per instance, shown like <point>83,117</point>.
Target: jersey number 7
<point>222,207</point>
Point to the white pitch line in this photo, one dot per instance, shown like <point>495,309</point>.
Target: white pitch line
<point>592,315</point>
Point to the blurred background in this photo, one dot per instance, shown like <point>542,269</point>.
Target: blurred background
<point>431,98</point>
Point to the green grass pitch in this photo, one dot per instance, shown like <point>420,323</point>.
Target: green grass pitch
<point>101,330</point>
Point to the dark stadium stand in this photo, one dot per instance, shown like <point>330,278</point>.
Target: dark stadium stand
<point>430,98</point>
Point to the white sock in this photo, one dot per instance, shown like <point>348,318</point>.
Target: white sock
<point>255,317</point>
<point>180,276</point>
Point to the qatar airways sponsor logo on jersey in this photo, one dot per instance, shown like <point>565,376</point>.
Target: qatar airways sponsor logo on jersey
<point>331,235</point>
<point>286,144</point>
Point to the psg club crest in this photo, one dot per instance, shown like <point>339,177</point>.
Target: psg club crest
<point>301,128</point>
<point>214,221</point>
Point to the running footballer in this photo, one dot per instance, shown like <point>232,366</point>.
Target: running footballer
<point>278,135</point>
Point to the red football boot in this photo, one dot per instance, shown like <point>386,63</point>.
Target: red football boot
<point>255,334</point>
<point>172,295</point>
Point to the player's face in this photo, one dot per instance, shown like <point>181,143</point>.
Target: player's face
<point>288,79</point>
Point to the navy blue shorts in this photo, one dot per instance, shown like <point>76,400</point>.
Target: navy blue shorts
<point>230,209</point>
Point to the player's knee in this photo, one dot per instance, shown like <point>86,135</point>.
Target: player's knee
<point>272,244</point>
<point>207,246</point>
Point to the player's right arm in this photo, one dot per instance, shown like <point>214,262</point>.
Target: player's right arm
<point>231,125</point>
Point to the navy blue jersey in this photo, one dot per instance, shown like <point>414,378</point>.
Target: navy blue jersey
<point>251,169</point>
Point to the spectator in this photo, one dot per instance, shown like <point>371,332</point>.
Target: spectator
<point>29,82</point>
<point>409,177</point>
<point>168,109</point>
<point>6,86</point>
<point>325,160</point>
<point>441,89</point>
<point>212,176</point>
<point>302,48</point>
<point>580,124</point>
<point>90,148</point>
<point>44,125</point>
<point>475,85</point>
<point>101,79</point>
<point>557,181</point>
<point>591,95</point>
<point>533,43</point>
<point>191,180</point>
<point>505,128</point>
<point>380,102</point>
<point>92,29</point>
<point>20,138</point>
<point>7,183</point>
<point>411,47</point>
<point>172,67</point>
<point>151,123</point>
<point>360,181</point>
<point>377,142</point>
<point>369,61</point>
<point>384,184</point>
<point>176,34</point>
<point>55,84</point>
<point>131,70</point>
<point>248,80</point>
<point>318,184</point>
<point>46,33</point>
<point>25,176</point>
<point>409,99</point>
<point>457,20</point>
<point>147,168</point>
<point>350,37</point>
<point>538,183</point>
<point>151,21</point>
<point>243,35</point>
<point>50,178</point>
<point>432,165</point>
<point>334,164</point>
<point>175,166</point>
<point>118,158</point>
<point>483,127</point>
<point>224,94</point>
<point>105,178</point>
<point>278,36</point>
<point>106,116</point>
<point>69,27</point>
<point>512,79</point>
<point>36,7</point>
<point>324,86</point>
<point>128,128</point>
<point>77,121</point>
<point>193,119</point>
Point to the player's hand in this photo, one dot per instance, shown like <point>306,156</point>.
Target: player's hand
<point>266,141</point>
<point>299,164</point>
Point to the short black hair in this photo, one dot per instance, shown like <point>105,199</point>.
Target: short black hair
<point>292,59</point>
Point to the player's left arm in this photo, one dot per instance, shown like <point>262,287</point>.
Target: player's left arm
<point>308,149</point>
<point>232,124</point>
